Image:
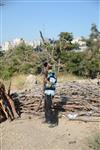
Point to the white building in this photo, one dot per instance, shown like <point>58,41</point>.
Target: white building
<point>36,43</point>
<point>11,44</point>
<point>82,44</point>
<point>17,41</point>
<point>6,46</point>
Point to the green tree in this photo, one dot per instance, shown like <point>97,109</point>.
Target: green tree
<point>92,54</point>
<point>95,34</point>
<point>66,36</point>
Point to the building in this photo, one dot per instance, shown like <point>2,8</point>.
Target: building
<point>81,42</point>
<point>11,44</point>
<point>6,46</point>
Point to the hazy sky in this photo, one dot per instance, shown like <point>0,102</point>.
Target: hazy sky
<point>24,18</point>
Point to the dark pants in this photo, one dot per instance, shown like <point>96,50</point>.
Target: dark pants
<point>51,115</point>
<point>47,108</point>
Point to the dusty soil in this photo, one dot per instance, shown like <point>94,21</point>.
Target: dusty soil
<point>32,134</point>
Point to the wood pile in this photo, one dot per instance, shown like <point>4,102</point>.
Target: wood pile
<point>28,102</point>
<point>7,108</point>
<point>82,98</point>
<point>78,97</point>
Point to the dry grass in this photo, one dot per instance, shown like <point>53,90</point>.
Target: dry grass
<point>62,77</point>
<point>17,82</point>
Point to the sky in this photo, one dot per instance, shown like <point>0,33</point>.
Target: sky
<point>25,18</point>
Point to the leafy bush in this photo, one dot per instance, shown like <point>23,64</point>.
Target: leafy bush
<point>21,60</point>
<point>78,63</point>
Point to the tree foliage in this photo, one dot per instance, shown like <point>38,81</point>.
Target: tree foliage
<point>24,59</point>
<point>85,63</point>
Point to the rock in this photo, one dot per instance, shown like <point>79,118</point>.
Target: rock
<point>30,82</point>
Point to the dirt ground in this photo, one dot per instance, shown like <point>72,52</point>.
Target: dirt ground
<point>32,134</point>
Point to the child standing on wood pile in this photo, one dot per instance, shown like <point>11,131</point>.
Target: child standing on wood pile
<point>7,101</point>
<point>49,82</point>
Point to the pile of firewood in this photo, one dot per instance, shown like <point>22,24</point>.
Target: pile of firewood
<point>7,107</point>
<point>81,98</point>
